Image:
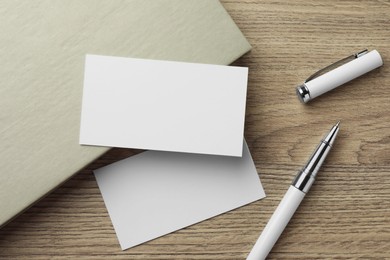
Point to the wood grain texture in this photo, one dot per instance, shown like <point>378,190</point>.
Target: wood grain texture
<point>346,214</point>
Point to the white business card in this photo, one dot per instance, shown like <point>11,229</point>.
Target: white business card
<point>155,193</point>
<point>163,105</point>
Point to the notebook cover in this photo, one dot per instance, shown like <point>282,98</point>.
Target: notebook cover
<point>42,48</point>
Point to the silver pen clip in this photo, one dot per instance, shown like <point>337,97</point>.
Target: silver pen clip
<point>336,64</point>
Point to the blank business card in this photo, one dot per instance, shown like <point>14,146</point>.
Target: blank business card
<point>163,105</point>
<point>155,193</point>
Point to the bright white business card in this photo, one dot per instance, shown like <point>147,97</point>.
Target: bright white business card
<point>163,105</point>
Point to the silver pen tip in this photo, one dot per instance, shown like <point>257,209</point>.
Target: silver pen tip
<point>331,136</point>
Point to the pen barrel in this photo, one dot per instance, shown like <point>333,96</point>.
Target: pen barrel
<point>344,73</point>
<point>276,224</point>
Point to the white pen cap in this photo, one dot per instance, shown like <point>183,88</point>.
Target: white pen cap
<point>362,63</point>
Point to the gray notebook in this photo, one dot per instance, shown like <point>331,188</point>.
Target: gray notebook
<point>43,44</point>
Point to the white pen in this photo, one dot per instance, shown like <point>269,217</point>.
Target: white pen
<point>293,197</point>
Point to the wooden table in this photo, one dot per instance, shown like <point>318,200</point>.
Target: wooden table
<point>346,214</point>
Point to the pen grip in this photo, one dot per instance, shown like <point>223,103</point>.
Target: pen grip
<point>276,224</point>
